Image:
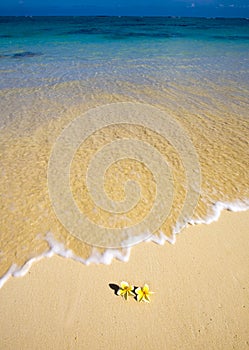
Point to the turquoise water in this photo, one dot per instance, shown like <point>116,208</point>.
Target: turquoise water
<point>38,51</point>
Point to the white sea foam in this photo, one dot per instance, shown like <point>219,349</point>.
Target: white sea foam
<point>57,248</point>
<point>218,207</point>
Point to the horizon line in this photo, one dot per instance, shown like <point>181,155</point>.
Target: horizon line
<point>141,16</point>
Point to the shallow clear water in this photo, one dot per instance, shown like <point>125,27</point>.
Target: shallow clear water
<point>45,50</point>
<point>54,69</point>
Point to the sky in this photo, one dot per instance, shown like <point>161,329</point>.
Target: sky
<point>205,8</point>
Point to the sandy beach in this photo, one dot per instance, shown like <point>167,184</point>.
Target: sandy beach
<point>111,129</point>
<point>201,298</point>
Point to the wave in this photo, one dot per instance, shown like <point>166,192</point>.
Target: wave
<point>58,248</point>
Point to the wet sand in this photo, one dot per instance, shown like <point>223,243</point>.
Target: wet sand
<point>219,135</point>
<point>201,298</point>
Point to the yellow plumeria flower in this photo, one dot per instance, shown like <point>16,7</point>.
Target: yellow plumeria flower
<point>126,290</point>
<point>143,294</point>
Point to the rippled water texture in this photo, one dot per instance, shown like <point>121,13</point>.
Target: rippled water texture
<point>56,69</point>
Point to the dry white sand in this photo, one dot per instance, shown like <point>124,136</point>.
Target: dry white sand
<point>201,298</point>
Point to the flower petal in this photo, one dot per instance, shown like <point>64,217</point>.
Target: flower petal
<point>140,297</point>
<point>124,284</point>
<point>146,288</point>
<point>147,298</point>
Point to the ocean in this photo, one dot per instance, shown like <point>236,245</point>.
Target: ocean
<point>115,89</point>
